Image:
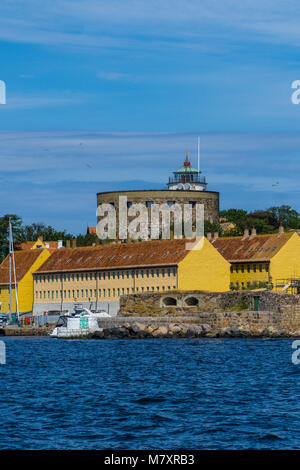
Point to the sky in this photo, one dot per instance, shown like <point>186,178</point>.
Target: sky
<point>110,95</point>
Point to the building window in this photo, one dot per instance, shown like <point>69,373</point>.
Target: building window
<point>231,269</point>
<point>149,204</point>
<point>254,268</point>
<point>237,268</point>
<point>248,268</point>
<point>260,268</point>
<point>129,203</point>
<point>267,267</point>
<point>242,268</point>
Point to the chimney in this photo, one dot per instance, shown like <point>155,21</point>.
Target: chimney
<point>253,233</point>
<point>68,243</point>
<point>41,238</point>
<point>60,244</point>
<point>281,230</point>
<point>208,236</point>
<point>246,234</point>
<point>74,241</point>
<point>216,235</point>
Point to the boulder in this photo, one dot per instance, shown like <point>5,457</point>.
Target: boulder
<point>160,331</point>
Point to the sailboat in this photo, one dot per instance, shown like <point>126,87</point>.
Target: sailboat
<point>12,272</point>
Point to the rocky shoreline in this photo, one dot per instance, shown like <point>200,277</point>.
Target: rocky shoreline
<point>139,330</point>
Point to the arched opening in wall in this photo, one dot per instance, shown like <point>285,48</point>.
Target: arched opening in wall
<point>169,301</point>
<point>191,301</point>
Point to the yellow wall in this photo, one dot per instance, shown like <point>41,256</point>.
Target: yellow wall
<point>258,272</point>
<point>102,284</point>
<point>25,289</point>
<point>286,263</point>
<point>204,269</point>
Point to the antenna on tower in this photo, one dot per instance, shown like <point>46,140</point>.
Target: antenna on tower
<point>198,154</point>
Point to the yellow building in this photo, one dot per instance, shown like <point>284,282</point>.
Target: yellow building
<point>100,275</point>
<point>262,260</point>
<point>26,261</point>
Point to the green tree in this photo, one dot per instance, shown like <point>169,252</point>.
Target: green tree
<point>16,223</point>
<point>232,215</point>
<point>286,216</point>
<point>34,231</point>
<point>212,227</point>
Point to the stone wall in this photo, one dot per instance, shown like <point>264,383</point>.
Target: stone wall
<point>195,302</point>
<point>228,324</point>
<point>249,320</point>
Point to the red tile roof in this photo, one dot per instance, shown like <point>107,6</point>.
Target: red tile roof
<point>149,253</point>
<point>259,248</point>
<point>24,260</point>
<point>29,245</point>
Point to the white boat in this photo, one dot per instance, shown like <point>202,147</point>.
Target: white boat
<point>78,325</point>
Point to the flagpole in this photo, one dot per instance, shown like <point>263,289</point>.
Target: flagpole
<point>198,154</point>
<point>10,308</point>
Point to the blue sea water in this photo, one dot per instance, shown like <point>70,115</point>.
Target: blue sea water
<point>149,394</point>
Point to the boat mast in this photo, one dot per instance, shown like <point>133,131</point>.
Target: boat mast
<point>12,263</point>
<point>10,306</point>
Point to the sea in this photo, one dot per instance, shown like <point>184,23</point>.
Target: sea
<point>166,394</point>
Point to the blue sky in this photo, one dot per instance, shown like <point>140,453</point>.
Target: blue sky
<point>108,95</point>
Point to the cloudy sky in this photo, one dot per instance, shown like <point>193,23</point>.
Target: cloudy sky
<point>107,95</point>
